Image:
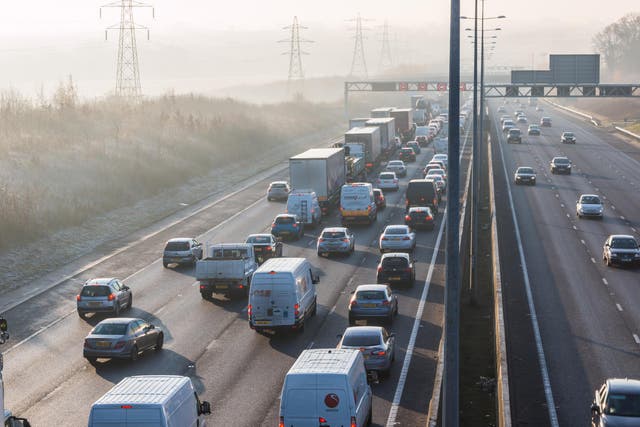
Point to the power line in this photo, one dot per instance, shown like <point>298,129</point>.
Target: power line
<point>295,53</point>
<point>359,63</point>
<point>127,70</point>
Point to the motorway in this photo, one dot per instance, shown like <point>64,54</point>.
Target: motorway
<point>587,313</point>
<point>239,371</point>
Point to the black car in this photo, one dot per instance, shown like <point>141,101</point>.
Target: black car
<point>621,249</point>
<point>545,122</point>
<point>514,135</point>
<point>560,165</point>
<point>568,138</point>
<point>396,267</point>
<point>265,246</point>
<point>420,217</point>
<point>422,192</point>
<point>407,154</point>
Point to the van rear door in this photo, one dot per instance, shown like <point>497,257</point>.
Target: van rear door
<point>334,406</point>
<point>300,408</point>
<point>272,300</point>
<point>126,416</point>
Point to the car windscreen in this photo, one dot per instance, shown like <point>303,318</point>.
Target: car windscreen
<point>525,170</point>
<point>95,291</point>
<point>590,200</point>
<point>110,329</point>
<point>396,163</point>
<point>407,150</point>
<point>623,405</point>
<point>561,161</point>
<point>177,246</point>
<point>569,134</point>
<point>361,340</point>
<point>395,262</point>
<point>387,176</point>
<point>395,230</point>
<point>279,186</point>
<point>370,295</point>
<point>259,239</point>
<point>333,235</point>
<point>621,243</point>
<point>285,220</point>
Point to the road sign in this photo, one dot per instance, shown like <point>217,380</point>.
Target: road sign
<point>422,86</point>
<point>442,87</point>
<point>403,86</point>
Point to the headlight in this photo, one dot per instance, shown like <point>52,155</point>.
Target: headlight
<point>637,255</point>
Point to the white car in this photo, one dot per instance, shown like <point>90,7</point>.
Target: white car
<point>397,238</point>
<point>388,181</point>
<point>589,205</point>
<point>441,184</point>
<point>440,172</point>
<point>398,167</point>
<point>440,158</point>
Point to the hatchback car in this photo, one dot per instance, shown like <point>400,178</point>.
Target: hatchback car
<point>430,166</point>
<point>336,240</point>
<point>265,246</point>
<point>616,403</point>
<point>568,138</point>
<point>398,167</point>
<point>518,113</point>
<point>589,205</point>
<point>533,130</point>
<point>501,109</point>
<point>621,249</point>
<point>503,118</point>
<point>396,238</point>
<point>415,145</point>
<point>103,295</point>
<point>514,135</point>
<point>181,250</point>
<point>539,108</point>
<point>420,217</point>
<point>396,268</point>
<point>525,175</point>
<point>122,338</point>
<point>375,343</point>
<point>381,201</point>
<point>407,154</point>
<point>388,181</point>
<point>278,190</point>
<point>507,124</point>
<point>545,122</point>
<point>560,165</point>
<point>372,302</point>
<point>287,226</point>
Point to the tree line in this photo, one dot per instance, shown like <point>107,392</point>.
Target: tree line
<point>619,45</point>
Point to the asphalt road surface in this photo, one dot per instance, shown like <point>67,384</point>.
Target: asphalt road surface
<point>587,313</point>
<point>239,371</point>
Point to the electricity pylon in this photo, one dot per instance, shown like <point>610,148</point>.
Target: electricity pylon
<point>358,63</point>
<point>296,72</point>
<point>127,71</point>
<point>386,60</point>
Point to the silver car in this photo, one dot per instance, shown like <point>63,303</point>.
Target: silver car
<point>387,181</point>
<point>103,295</point>
<point>373,302</point>
<point>375,343</point>
<point>396,238</point>
<point>278,190</point>
<point>589,205</point>
<point>616,403</point>
<point>181,250</point>
<point>122,338</point>
<point>398,167</point>
<point>336,240</point>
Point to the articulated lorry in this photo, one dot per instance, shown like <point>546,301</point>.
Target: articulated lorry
<point>405,127</point>
<point>387,128</point>
<point>9,420</point>
<point>421,113</point>
<point>381,113</point>
<point>365,143</point>
<point>358,122</point>
<point>322,170</point>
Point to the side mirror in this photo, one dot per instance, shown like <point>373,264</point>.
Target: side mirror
<point>392,335</point>
<point>315,279</point>
<point>205,408</point>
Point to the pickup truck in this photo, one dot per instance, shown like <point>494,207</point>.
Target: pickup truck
<point>226,269</point>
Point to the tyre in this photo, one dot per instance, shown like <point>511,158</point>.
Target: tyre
<point>206,295</point>
<point>608,262</point>
<point>134,353</point>
<point>159,342</point>
<point>165,264</point>
<point>319,253</point>
<point>315,308</point>
<point>91,360</point>
<point>301,328</point>
<point>82,315</point>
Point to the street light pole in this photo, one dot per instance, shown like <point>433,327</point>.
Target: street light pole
<point>474,172</point>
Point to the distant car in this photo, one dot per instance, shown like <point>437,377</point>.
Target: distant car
<point>518,112</point>
<point>420,217</point>
<point>441,158</point>
<point>278,190</point>
<point>375,343</point>
<point>440,172</point>
<point>398,167</point>
<point>514,135</point>
<point>373,302</point>
<point>430,166</point>
<point>533,130</point>
<point>387,181</point>
<point>507,124</point>
<point>621,249</point>
<point>415,146</point>
<point>407,154</point>
<point>568,138</point>
<point>545,122</point>
<point>501,109</point>
<point>503,118</point>
<point>525,175</point>
<point>589,205</point>
<point>336,240</point>
<point>103,295</point>
<point>122,338</point>
<point>539,108</point>
<point>616,403</point>
<point>560,165</point>
<point>381,201</point>
<point>180,251</point>
<point>443,165</point>
<point>265,246</point>
<point>522,119</point>
<point>287,226</point>
<point>396,268</point>
<point>396,238</point>
<point>440,183</point>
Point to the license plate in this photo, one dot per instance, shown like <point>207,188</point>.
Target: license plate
<point>175,259</point>
<point>361,322</point>
<point>222,286</point>
<point>284,232</point>
<point>366,356</point>
<point>368,305</point>
<point>103,344</point>
<point>394,278</point>
<point>263,322</point>
<point>95,304</point>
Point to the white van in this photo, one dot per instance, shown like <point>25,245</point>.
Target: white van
<point>150,401</point>
<point>357,203</point>
<point>304,204</point>
<point>282,295</point>
<point>326,385</point>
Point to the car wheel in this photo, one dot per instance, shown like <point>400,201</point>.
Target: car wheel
<point>82,315</point>
<point>134,353</point>
<point>319,253</point>
<point>165,264</point>
<point>159,342</point>
<point>301,328</point>
<point>91,360</point>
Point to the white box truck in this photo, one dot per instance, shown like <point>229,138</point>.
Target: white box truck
<point>367,138</point>
<point>387,128</point>
<point>322,170</point>
<point>381,112</point>
<point>326,385</point>
<point>150,401</point>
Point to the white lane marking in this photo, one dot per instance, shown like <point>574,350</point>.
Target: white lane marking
<point>568,216</point>
<point>633,229</point>
<point>619,307</point>
<point>557,196</point>
<point>574,227</point>
<point>393,412</point>
<point>613,207</point>
<point>622,218</point>
<point>39,331</point>
<point>605,281</point>
<point>551,406</point>
<point>636,338</point>
<point>562,205</point>
<point>583,242</point>
<point>593,260</point>
<point>310,345</point>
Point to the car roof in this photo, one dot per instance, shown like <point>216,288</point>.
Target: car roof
<point>284,215</point>
<point>623,385</point>
<point>99,281</point>
<point>395,226</point>
<point>332,229</point>
<point>622,236</point>
<point>371,288</point>
<point>180,239</point>
<point>589,195</point>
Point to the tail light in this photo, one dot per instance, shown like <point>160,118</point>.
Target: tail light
<point>408,269</point>
<point>406,238</point>
<point>379,353</point>
<point>322,420</point>
<point>320,240</point>
<point>296,310</point>
<point>249,310</point>
<point>407,218</point>
<point>369,208</point>
<point>295,225</point>
<point>384,238</point>
<point>119,344</point>
<point>353,303</point>
<point>78,297</point>
<point>429,218</point>
<point>268,248</point>
<point>202,287</point>
<point>434,201</point>
<point>112,297</point>
<point>345,240</point>
<point>240,285</point>
<point>281,423</point>
<point>273,225</point>
<point>353,422</point>
<point>385,302</point>
<point>395,181</point>
<point>379,269</point>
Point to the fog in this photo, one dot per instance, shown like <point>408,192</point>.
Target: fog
<point>199,47</point>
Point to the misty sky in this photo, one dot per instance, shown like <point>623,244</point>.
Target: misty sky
<point>199,45</point>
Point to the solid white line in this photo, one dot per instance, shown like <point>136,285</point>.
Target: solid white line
<point>636,338</point>
<point>622,218</point>
<point>619,307</point>
<point>310,345</point>
<point>583,242</point>
<point>613,207</point>
<point>551,406</point>
<point>605,281</point>
<point>39,331</point>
